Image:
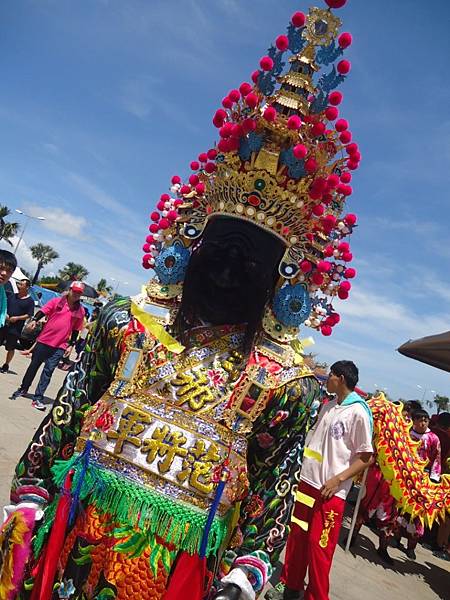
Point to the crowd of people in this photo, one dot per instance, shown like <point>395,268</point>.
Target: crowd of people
<point>55,330</point>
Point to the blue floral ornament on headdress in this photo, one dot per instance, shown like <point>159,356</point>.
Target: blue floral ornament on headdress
<point>171,263</point>
<point>292,305</point>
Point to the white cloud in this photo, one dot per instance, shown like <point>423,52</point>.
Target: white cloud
<point>374,314</point>
<point>137,98</point>
<point>374,324</point>
<point>145,99</point>
<point>59,220</point>
<point>419,227</point>
<point>52,149</point>
<point>99,196</point>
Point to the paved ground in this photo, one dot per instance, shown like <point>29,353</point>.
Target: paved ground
<point>355,575</point>
<point>18,420</point>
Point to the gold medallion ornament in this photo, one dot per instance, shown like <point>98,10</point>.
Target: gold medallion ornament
<point>322,27</point>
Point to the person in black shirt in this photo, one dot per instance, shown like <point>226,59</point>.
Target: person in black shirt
<point>20,308</point>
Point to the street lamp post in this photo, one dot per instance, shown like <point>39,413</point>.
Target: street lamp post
<point>28,217</point>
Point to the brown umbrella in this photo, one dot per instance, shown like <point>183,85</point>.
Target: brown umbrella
<point>433,350</point>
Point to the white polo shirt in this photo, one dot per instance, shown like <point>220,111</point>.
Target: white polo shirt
<point>340,434</point>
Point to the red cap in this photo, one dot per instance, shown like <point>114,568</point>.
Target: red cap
<point>77,287</point>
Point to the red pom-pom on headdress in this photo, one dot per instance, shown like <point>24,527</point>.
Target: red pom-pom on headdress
<point>298,19</point>
<point>255,76</point>
<point>234,95</point>
<point>345,40</point>
<point>341,125</point>
<point>223,145</point>
<point>305,266</point>
<point>294,122</point>
<point>335,318</point>
<point>282,43</point>
<point>345,137</point>
<point>227,102</point>
<point>323,266</point>
<point>311,165</point>
<point>333,180</point>
<point>219,117</point>
<point>251,100</point>
<point>326,330</point>
<point>193,179</point>
<point>270,114</point>
<point>331,113</point>
<point>318,129</point>
<point>245,88</point>
<point>335,98</point>
<point>317,278</point>
<point>300,151</point>
<point>176,179</point>
<point>195,166</point>
<point>318,209</point>
<point>336,3</point>
<point>344,247</point>
<point>266,63</point>
<point>248,125</point>
<point>343,67</point>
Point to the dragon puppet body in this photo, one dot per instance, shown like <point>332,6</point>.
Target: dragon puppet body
<point>415,493</point>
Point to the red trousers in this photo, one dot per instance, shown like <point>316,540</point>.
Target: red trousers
<point>311,543</point>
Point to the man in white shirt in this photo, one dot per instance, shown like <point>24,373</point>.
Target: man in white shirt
<point>338,448</point>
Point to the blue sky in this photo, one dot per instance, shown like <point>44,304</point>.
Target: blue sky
<point>102,101</point>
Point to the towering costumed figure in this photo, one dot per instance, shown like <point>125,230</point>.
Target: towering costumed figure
<point>167,466</point>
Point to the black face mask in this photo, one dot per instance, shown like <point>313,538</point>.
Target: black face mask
<point>231,275</point>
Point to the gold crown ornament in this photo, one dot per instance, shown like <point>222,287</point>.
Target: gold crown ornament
<point>284,161</point>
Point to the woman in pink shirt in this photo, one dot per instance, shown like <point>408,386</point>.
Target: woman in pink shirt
<point>65,317</point>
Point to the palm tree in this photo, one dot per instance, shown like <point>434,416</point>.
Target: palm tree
<point>102,286</point>
<point>44,255</point>
<point>73,271</point>
<point>7,230</point>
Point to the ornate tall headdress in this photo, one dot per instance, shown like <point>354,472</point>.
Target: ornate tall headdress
<point>284,162</point>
